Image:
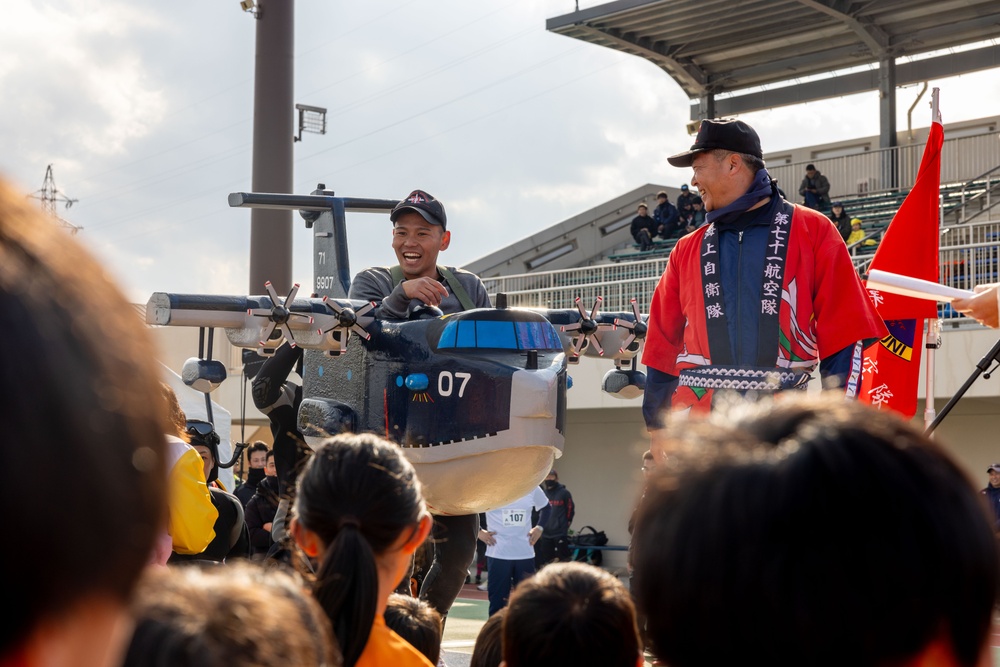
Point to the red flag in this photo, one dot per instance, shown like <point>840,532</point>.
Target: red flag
<point>890,369</point>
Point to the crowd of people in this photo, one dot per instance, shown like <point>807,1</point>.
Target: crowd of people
<point>829,533</point>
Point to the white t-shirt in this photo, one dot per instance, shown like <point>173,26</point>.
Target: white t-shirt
<point>512,523</point>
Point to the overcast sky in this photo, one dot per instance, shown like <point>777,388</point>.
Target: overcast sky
<point>145,112</point>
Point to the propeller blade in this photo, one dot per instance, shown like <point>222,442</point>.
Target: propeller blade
<point>365,308</point>
<point>570,327</point>
<point>593,312</point>
<point>597,345</point>
<point>578,345</point>
<point>628,341</point>
<point>332,305</point>
<point>265,335</point>
<point>635,310</point>
<point>624,324</point>
<point>308,317</point>
<point>259,312</point>
<point>579,306</point>
<point>271,293</point>
<point>361,332</point>
<point>288,334</point>
<point>291,295</point>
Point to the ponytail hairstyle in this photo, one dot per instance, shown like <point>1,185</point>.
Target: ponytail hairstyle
<point>358,494</point>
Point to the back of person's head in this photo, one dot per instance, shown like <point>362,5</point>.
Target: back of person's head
<point>417,622</point>
<point>83,411</point>
<point>358,494</point>
<point>835,533</point>
<point>488,649</point>
<point>571,614</point>
<point>235,614</point>
<point>175,413</point>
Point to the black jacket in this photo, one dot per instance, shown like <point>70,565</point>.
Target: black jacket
<point>246,490</point>
<point>261,510</point>
<point>563,510</point>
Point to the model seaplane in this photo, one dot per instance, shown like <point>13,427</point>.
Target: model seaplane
<point>477,399</point>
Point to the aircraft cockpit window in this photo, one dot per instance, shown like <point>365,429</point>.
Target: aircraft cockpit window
<point>502,335</point>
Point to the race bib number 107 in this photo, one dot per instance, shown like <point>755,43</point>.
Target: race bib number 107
<point>515,517</point>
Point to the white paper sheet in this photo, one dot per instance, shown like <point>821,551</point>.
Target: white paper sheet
<point>915,287</point>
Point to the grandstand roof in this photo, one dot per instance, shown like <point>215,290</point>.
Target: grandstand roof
<point>710,47</point>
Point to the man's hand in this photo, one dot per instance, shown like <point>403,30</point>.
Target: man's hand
<point>534,535</point>
<point>428,290</point>
<point>487,536</point>
<point>982,307</point>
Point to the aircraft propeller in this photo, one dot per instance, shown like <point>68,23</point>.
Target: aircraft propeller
<point>278,314</point>
<point>638,328</point>
<point>588,328</point>
<point>350,319</point>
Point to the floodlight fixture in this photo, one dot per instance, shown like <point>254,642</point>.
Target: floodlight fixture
<point>311,119</point>
<point>250,6</point>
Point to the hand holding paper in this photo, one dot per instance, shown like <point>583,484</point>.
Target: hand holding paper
<point>983,306</point>
<point>915,287</point>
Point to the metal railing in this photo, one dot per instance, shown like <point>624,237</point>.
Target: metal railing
<point>963,159</point>
<point>969,255</point>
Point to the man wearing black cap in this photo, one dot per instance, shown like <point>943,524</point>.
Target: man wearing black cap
<point>419,233</point>
<point>815,189</point>
<point>754,299</point>
<point>992,493</point>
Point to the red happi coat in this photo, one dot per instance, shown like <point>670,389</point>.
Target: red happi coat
<point>824,306</point>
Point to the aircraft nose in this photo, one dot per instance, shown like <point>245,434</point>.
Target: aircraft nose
<point>534,394</point>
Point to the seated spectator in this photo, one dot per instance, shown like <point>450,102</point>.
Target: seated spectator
<point>488,649</point>
<point>571,614</point>
<point>685,217</point>
<point>685,197</point>
<point>85,469</point>
<point>858,234</point>
<point>815,189</point>
<point>840,219</point>
<point>359,515</point>
<point>665,215</point>
<point>241,614</point>
<point>835,533</point>
<point>698,212</point>
<point>643,227</point>
<point>417,622</point>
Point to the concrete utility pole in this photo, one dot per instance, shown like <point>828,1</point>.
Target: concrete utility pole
<point>273,126</point>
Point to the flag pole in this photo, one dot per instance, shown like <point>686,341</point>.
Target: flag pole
<point>932,339</point>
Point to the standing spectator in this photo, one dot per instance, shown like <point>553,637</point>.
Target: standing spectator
<point>85,473</point>
<point>191,525</point>
<point>257,459</point>
<point>992,494</point>
<point>815,189</point>
<point>232,539</point>
<point>510,539</point>
<point>643,228</point>
<point>359,515</point>
<point>261,509</point>
<point>554,543</point>
<point>840,218</point>
<point>665,215</point>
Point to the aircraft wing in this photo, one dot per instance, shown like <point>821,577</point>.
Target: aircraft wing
<point>264,322</point>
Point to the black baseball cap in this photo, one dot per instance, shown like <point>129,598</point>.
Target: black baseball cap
<point>725,133</point>
<point>418,201</point>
